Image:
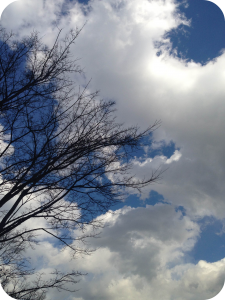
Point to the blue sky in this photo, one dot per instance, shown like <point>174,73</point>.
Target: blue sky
<point>158,60</point>
<point>204,40</point>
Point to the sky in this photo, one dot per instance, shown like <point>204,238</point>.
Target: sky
<point>159,60</point>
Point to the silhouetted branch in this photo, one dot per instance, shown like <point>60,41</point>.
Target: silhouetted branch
<point>63,157</point>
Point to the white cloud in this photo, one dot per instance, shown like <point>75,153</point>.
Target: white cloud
<point>143,252</point>
<point>188,98</point>
<point>175,157</point>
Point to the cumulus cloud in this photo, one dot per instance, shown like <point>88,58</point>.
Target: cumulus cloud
<point>142,252</point>
<point>187,97</point>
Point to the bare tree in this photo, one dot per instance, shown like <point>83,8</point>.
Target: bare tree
<point>63,157</point>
